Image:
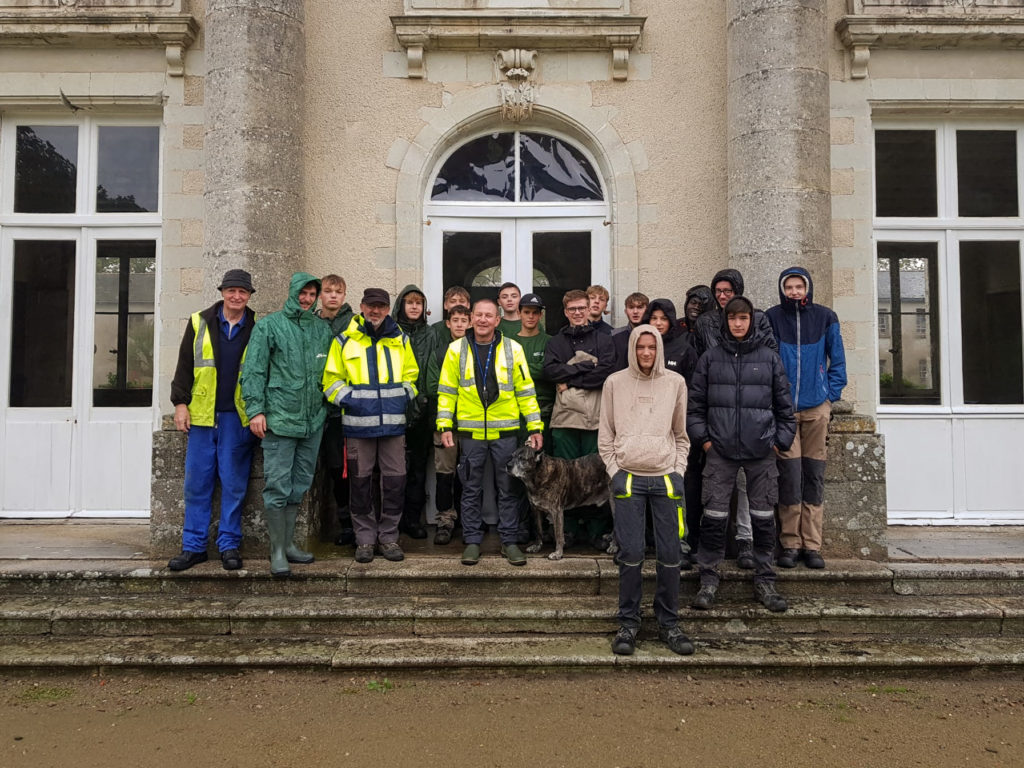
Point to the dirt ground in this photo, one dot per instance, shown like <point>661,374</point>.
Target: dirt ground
<point>634,719</point>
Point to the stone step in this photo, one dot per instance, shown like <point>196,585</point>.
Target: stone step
<point>491,579</point>
<point>813,655</point>
<point>362,616</point>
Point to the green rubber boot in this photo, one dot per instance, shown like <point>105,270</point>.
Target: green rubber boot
<point>277,531</point>
<point>292,552</point>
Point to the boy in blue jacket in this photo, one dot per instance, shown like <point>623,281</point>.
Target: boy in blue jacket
<point>811,348</point>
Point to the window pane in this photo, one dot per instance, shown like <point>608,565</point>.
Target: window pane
<point>127,171</point>
<point>563,258</point>
<point>46,169</point>
<point>483,169</point>
<point>42,321</point>
<point>986,167</point>
<point>473,260</point>
<point>908,323</point>
<point>991,322</point>
<point>123,344</point>
<point>905,173</point>
<point>554,171</point>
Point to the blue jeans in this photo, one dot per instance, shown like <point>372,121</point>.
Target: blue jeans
<point>221,452</point>
<point>667,512</point>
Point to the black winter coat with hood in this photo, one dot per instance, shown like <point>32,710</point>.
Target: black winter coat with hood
<point>707,330</point>
<point>740,399</point>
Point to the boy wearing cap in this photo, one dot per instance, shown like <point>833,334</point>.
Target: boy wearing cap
<point>811,348</point>
<point>280,384</point>
<point>371,375</point>
<point>740,413</point>
<point>209,409</point>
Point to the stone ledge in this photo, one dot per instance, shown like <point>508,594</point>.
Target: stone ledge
<point>862,33</point>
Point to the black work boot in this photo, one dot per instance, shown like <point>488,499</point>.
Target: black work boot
<point>624,642</point>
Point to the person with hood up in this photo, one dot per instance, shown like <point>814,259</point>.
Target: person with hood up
<point>811,348</point>
<point>336,312</point>
<point>725,285</point>
<point>643,442</point>
<point>410,312</point>
<point>698,301</point>
<point>371,375</point>
<point>680,355</point>
<point>281,389</point>
<point>741,414</point>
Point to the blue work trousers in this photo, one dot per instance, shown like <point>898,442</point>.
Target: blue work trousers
<point>222,452</point>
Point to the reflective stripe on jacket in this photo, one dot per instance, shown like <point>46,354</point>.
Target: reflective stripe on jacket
<point>458,398</point>
<point>204,381</point>
<point>371,379</point>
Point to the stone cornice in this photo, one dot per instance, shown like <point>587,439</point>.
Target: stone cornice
<point>860,34</point>
<point>580,32</point>
<point>174,32</point>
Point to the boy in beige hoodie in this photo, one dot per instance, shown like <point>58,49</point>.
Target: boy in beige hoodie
<point>642,440</point>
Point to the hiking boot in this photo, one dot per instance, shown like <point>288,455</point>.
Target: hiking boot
<point>765,594</point>
<point>676,641</point>
<point>705,597</point>
<point>745,555</point>
<point>513,554</point>
<point>471,554</point>
<point>364,553</point>
<point>391,551</point>
<point>231,560</point>
<point>624,642</point>
<point>813,559</point>
<point>443,536</point>
<point>789,558</point>
<point>185,560</point>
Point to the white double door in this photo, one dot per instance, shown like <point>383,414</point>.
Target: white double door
<point>547,255</point>
<point>69,444</point>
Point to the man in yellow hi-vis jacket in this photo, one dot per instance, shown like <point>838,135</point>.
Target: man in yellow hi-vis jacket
<point>371,375</point>
<point>485,385</point>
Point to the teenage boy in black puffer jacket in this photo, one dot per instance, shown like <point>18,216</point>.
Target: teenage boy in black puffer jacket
<point>741,413</point>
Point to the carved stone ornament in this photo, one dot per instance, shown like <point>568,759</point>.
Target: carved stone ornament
<point>517,93</point>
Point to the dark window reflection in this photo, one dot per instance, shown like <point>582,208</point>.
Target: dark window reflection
<point>46,169</point>
<point>127,176</point>
<point>905,173</point>
<point>564,260</point>
<point>553,171</point>
<point>123,343</point>
<point>472,260</point>
<point>42,323</point>
<point>991,322</point>
<point>483,169</point>
<point>908,344</point>
<point>986,168</point>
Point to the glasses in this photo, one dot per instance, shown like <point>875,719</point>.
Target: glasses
<point>724,292</point>
<point>574,310</point>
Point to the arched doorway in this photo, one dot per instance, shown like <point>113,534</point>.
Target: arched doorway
<point>520,206</point>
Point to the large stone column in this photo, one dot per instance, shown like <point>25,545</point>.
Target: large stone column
<point>255,63</point>
<point>779,177</point>
<point>253,88</point>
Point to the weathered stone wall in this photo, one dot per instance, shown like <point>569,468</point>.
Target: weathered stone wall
<point>855,516</point>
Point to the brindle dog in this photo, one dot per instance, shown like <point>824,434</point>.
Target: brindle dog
<point>555,485</point>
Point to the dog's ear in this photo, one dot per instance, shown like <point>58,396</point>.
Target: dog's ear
<point>537,455</point>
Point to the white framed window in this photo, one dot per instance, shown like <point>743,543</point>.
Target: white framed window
<point>948,232</point>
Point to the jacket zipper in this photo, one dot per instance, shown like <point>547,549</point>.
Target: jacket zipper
<point>739,385</point>
<point>796,401</point>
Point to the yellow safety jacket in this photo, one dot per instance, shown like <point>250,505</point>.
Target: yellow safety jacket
<point>371,378</point>
<point>204,378</point>
<point>458,399</point>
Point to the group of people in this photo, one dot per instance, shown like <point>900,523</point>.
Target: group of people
<point>373,391</point>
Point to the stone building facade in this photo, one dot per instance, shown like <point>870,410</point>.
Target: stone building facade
<point>642,144</point>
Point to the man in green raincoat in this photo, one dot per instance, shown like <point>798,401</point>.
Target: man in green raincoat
<point>286,409</point>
